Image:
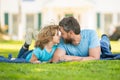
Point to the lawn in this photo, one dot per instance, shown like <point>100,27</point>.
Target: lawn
<point>89,70</point>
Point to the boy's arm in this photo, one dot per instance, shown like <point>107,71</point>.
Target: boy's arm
<point>34,59</point>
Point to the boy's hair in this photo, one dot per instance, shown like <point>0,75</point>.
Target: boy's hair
<point>46,35</point>
<point>70,23</point>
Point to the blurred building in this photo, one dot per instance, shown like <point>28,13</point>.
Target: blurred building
<point>20,15</point>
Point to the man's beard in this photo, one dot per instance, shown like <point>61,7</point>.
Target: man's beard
<point>68,41</point>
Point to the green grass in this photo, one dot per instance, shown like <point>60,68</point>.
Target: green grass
<point>92,70</point>
<point>89,70</point>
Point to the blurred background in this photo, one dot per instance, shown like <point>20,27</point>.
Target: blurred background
<point>17,16</point>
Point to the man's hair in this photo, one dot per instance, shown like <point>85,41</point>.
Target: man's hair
<point>70,23</point>
<point>46,35</point>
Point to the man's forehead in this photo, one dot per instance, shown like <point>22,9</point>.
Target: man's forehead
<point>60,28</point>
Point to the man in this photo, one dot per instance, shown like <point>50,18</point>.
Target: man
<point>76,45</point>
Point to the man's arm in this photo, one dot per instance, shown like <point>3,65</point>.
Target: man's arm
<point>94,54</point>
<point>58,54</point>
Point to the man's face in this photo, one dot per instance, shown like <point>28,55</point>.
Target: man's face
<point>66,36</point>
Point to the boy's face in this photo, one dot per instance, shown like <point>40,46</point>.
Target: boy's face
<point>56,38</point>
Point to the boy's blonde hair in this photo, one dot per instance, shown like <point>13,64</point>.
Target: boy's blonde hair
<point>46,35</point>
